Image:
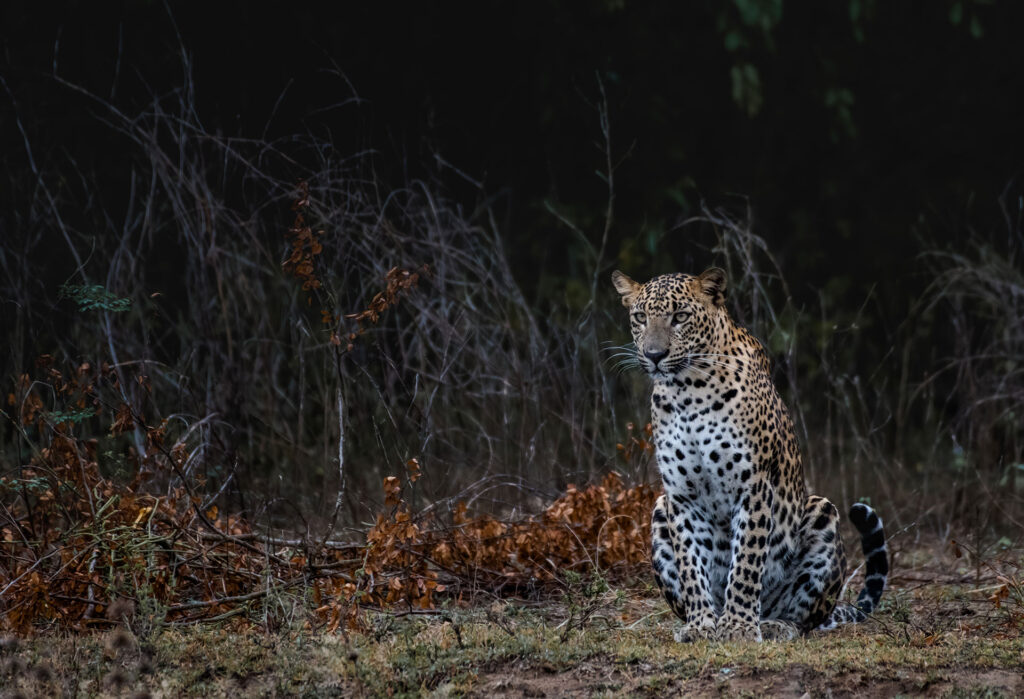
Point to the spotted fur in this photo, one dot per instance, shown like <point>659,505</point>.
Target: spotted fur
<point>740,550</point>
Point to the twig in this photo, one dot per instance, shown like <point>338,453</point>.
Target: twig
<point>282,543</point>
<point>645,617</point>
<point>232,600</point>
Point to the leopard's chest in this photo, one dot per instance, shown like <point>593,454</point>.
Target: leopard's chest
<point>703,448</point>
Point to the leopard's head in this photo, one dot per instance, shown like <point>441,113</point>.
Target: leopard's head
<point>675,318</point>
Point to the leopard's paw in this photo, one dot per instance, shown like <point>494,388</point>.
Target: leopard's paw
<point>735,629</point>
<point>777,630</point>
<point>702,629</point>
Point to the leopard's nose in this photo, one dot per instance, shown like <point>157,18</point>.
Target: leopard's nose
<point>655,356</point>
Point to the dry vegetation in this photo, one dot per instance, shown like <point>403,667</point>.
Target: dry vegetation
<point>941,632</point>
<point>285,431</point>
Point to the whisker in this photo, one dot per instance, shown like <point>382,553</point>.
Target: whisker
<point>624,348</point>
<point>723,356</point>
<point>720,365</point>
<point>623,368</point>
<point>700,370</point>
<point>627,364</point>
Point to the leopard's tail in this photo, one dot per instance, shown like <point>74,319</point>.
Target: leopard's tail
<point>876,560</point>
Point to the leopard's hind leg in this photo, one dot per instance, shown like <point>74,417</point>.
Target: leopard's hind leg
<point>814,574</point>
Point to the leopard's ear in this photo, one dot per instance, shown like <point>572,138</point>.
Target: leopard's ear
<point>712,283</point>
<point>626,287</point>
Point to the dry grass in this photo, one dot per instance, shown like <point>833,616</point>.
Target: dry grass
<point>938,633</point>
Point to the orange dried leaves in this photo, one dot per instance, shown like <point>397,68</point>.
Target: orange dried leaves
<point>392,490</point>
<point>639,443</point>
<point>77,542</point>
<point>606,525</point>
<point>397,282</point>
<point>305,244</point>
<point>305,247</point>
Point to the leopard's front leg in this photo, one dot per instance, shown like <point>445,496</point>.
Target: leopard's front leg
<point>751,530</point>
<point>680,566</point>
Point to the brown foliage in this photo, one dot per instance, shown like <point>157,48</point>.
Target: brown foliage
<point>305,244</point>
<point>301,264</point>
<point>604,527</point>
<point>76,546</point>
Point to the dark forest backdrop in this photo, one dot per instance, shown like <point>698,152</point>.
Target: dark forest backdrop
<point>855,165</point>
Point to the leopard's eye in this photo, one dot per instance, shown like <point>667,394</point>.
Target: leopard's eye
<point>640,317</point>
<point>680,317</point>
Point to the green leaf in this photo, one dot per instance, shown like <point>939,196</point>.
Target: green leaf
<point>734,41</point>
<point>976,29</point>
<point>746,88</point>
<point>72,416</point>
<point>94,298</point>
<point>956,13</point>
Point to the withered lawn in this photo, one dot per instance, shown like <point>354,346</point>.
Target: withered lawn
<point>949,626</point>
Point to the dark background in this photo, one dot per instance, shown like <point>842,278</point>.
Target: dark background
<point>867,117</point>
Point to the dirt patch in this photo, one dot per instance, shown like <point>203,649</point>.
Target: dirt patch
<point>799,682</point>
<point>589,680</point>
<point>537,685</point>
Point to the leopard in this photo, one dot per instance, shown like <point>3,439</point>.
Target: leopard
<point>740,550</point>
